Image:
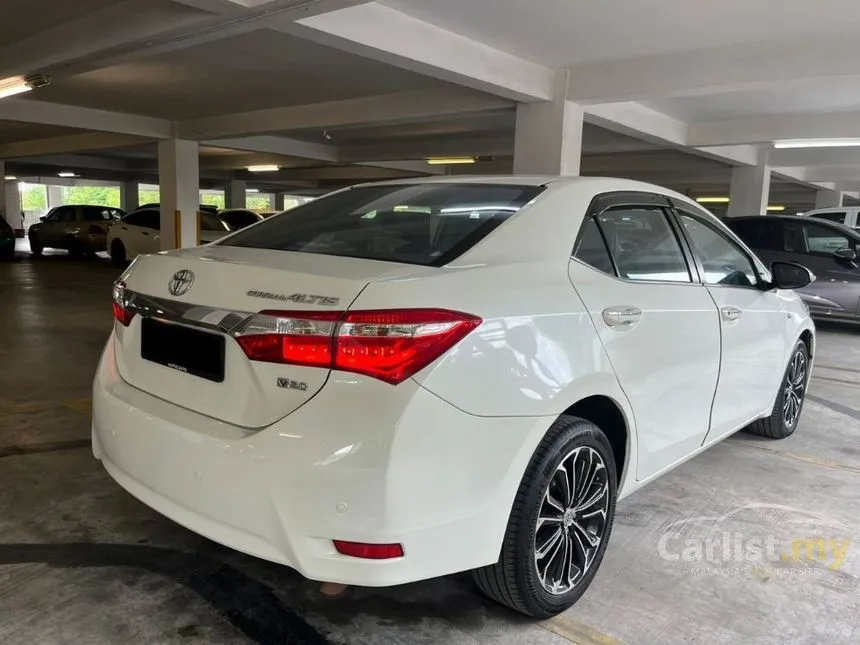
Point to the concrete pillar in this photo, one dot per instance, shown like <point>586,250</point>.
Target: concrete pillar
<point>278,204</point>
<point>548,139</point>
<point>179,185</point>
<point>235,194</point>
<point>55,196</point>
<point>826,198</point>
<point>750,188</point>
<point>129,195</point>
<point>10,201</point>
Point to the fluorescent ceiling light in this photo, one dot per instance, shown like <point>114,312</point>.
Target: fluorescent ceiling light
<point>253,190</point>
<point>20,84</point>
<point>264,168</point>
<point>439,161</point>
<point>712,200</point>
<point>10,178</point>
<point>66,174</point>
<point>817,143</point>
<point>776,209</point>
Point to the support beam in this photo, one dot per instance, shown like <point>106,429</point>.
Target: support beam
<point>405,151</point>
<point>178,178</point>
<point>10,199</point>
<point>548,138</point>
<point>236,194</point>
<point>389,108</point>
<point>825,198</point>
<point>277,146</point>
<point>638,121</point>
<point>766,129</point>
<point>129,195</point>
<point>71,116</point>
<point>55,194</point>
<point>750,188</point>
<point>375,31</point>
<point>738,67</point>
<point>838,174</point>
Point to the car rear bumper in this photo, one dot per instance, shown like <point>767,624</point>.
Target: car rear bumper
<point>362,461</point>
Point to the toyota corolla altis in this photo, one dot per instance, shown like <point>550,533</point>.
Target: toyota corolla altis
<point>409,379</point>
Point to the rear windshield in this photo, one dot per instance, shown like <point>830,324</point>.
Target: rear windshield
<point>428,224</point>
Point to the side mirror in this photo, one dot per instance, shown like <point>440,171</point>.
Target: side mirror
<point>787,275</point>
<point>849,255</point>
<point>43,218</point>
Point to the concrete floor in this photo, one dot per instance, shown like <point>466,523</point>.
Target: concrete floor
<point>83,562</point>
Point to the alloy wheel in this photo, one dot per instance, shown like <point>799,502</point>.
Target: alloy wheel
<point>795,386</point>
<point>572,520</point>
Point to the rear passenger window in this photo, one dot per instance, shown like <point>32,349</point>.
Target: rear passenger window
<point>592,249</point>
<point>643,244</point>
<point>724,262</point>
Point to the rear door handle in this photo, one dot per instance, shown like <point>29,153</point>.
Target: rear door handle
<point>730,314</point>
<point>622,318</point>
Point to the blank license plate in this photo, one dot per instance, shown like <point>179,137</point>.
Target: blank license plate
<point>194,352</point>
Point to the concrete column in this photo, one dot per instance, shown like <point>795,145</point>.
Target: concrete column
<point>129,195</point>
<point>55,196</point>
<point>235,194</point>
<point>750,188</point>
<point>278,204</point>
<point>9,202</point>
<point>826,198</point>
<point>179,185</point>
<point>548,139</point>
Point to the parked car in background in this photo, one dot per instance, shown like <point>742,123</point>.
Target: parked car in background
<point>850,217</point>
<point>207,208</point>
<point>376,394</point>
<point>237,218</point>
<point>828,249</point>
<point>140,232</point>
<point>7,240</point>
<point>77,228</point>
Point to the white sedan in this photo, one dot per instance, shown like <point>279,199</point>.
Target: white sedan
<point>139,232</point>
<point>405,380</point>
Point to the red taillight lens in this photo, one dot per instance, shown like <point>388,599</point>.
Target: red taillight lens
<point>389,345</point>
<point>295,338</point>
<point>369,551</point>
<point>393,345</point>
<point>122,314</point>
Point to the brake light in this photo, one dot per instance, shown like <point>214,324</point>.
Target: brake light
<point>123,315</point>
<point>390,345</point>
<point>369,551</point>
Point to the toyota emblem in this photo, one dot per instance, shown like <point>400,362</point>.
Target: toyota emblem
<point>180,282</point>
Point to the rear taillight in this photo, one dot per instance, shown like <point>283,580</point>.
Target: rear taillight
<point>390,345</point>
<point>369,551</point>
<point>120,312</point>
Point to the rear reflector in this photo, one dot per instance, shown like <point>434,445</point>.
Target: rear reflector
<point>390,345</point>
<point>369,551</point>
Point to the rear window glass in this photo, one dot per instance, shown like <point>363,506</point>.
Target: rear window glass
<point>428,224</point>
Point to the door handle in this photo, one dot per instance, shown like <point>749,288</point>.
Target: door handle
<point>622,318</point>
<point>144,233</point>
<point>730,314</point>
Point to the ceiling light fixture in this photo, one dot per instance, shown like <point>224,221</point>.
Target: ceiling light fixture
<point>253,190</point>
<point>439,161</point>
<point>776,209</point>
<point>712,200</point>
<point>10,178</point>
<point>264,168</point>
<point>66,174</point>
<point>817,143</point>
<point>20,84</point>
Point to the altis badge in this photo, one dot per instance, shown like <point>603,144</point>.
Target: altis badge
<point>299,298</point>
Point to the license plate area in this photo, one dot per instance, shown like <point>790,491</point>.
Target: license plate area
<point>191,351</point>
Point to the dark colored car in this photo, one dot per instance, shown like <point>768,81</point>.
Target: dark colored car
<point>78,228</point>
<point>7,241</point>
<point>237,218</point>
<point>206,208</point>
<point>828,249</point>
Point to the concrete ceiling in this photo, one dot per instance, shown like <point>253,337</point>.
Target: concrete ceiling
<point>676,93</point>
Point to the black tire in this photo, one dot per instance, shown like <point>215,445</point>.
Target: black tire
<point>514,580</point>
<point>36,247</point>
<point>117,253</point>
<point>779,425</point>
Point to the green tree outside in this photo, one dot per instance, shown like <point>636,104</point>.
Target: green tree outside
<point>95,195</point>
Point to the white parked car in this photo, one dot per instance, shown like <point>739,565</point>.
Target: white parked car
<point>848,216</point>
<point>139,232</point>
<point>404,380</point>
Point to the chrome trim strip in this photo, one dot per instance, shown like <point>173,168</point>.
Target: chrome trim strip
<point>225,321</point>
